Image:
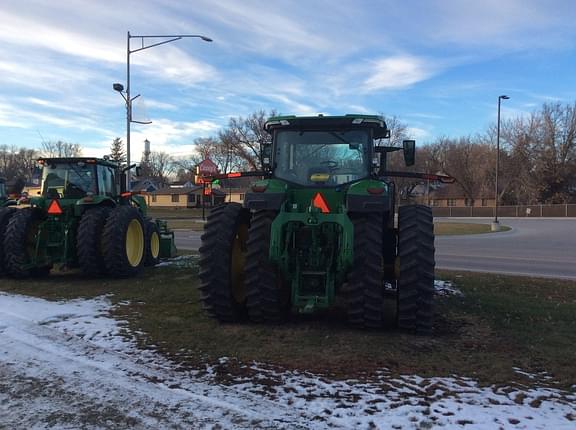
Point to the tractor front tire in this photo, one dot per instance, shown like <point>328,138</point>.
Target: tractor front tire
<point>268,298</point>
<point>365,286</point>
<point>5,215</point>
<point>222,261</point>
<point>152,244</point>
<point>89,241</point>
<point>416,278</point>
<point>123,242</point>
<point>20,243</point>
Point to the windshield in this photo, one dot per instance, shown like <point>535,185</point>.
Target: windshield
<point>321,158</point>
<point>69,181</point>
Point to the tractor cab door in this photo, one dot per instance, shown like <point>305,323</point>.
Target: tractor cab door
<point>107,181</point>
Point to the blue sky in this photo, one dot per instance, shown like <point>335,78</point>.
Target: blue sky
<point>438,66</point>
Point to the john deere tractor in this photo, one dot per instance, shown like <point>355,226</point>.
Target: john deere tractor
<point>5,200</point>
<point>321,224</point>
<point>81,219</point>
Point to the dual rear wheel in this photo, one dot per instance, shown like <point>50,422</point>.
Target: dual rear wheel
<point>115,242</point>
<point>239,282</point>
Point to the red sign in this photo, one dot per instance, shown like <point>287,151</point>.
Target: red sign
<point>55,208</point>
<point>206,168</point>
<point>319,202</point>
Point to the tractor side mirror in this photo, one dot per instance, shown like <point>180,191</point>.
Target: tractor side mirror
<point>266,156</point>
<point>409,147</point>
<point>138,171</point>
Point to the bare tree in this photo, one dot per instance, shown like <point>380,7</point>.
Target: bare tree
<point>468,160</point>
<point>17,164</point>
<point>555,153</point>
<point>244,137</point>
<point>61,149</point>
<point>160,166</point>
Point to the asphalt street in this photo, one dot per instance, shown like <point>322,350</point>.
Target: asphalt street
<point>534,247</point>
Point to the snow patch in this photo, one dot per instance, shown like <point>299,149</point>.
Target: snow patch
<point>68,365</point>
<point>446,288</point>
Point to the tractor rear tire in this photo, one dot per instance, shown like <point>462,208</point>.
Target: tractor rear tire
<point>89,241</point>
<point>5,215</point>
<point>222,261</point>
<point>123,242</point>
<point>365,286</point>
<point>20,243</point>
<point>268,299</point>
<point>416,278</point>
<point>152,244</point>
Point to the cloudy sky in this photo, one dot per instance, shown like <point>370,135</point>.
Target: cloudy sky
<point>437,65</point>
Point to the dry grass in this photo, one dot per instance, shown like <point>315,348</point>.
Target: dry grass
<point>500,322</point>
<point>456,228</point>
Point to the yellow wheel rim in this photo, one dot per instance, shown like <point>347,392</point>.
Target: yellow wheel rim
<point>238,258</point>
<point>134,243</point>
<point>154,244</point>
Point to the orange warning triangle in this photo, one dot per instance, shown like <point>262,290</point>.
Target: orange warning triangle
<point>319,202</point>
<point>54,208</point>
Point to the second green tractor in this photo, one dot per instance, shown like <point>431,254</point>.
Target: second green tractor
<point>82,218</point>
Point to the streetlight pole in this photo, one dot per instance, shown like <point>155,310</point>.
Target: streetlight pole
<point>127,98</point>
<point>495,223</point>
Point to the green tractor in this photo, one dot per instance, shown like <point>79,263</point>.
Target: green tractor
<point>321,224</point>
<point>5,200</point>
<point>81,219</point>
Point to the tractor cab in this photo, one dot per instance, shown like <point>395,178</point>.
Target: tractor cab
<point>75,178</point>
<point>322,151</point>
<point>3,195</point>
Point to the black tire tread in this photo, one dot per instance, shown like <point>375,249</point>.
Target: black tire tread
<point>215,262</point>
<point>114,242</point>
<point>15,240</point>
<point>268,299</point>
<point>150,260</point>
<point>89,241</point>
<point>364,291</point>
<point>416,283</point>
<point>5,215</point>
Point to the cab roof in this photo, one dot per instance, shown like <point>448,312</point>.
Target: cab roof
<point>69,160</point>
<point>321,122</point>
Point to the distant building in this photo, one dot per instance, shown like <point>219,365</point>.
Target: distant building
<point>452,196</point>
<point>189,197</point>
<point>144,184</point>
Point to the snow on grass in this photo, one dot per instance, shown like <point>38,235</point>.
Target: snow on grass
<point>180,261</point>
<point>67,365</point>
<point>446,288</point>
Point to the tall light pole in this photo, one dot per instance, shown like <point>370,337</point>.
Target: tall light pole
<point>120,87</point>
<point>495,223</point>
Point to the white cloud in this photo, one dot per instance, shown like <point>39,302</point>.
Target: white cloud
<point>398,72</point>
<point>418,133</point>
<point>174,137</point>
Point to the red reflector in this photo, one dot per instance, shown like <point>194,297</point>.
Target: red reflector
<point>55,208</point>
<point>127,194</point>
<point>375,190</point>
<point>234,175</point>
<point>319,202</point>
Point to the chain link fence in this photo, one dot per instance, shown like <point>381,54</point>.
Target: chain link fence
<point>528,211</point>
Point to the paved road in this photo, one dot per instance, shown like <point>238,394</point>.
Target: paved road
<point>538,247</point>
<point>535,247</point>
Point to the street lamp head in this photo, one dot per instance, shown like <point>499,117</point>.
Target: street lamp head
<point>118,87</point>
<point>205,39</point>
<point>504,97</point>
